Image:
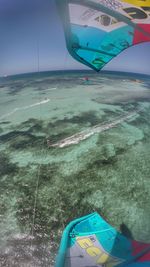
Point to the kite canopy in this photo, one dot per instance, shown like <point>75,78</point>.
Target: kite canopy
<point>98,30</point>
<point>91,242</point>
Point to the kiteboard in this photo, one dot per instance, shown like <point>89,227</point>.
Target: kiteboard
<point>92,242</point>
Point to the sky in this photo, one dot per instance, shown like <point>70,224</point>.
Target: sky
<point>32,39</point>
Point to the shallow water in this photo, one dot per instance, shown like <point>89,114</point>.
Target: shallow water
<point>68,148</point>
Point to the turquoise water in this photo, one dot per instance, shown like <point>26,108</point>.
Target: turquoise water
<point>70,147</point>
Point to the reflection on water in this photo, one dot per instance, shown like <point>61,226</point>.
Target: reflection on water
<point>68,148</point>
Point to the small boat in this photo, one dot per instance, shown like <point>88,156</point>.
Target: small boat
<point>91,242</point>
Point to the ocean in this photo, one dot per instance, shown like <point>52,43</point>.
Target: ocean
<point>71,143</point>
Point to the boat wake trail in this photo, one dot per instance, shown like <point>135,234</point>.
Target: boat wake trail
<point>76,138</point>
<point>24,108</point>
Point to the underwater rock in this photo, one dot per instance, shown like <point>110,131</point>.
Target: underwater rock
<point>108,151</point>
<point>6,167</point>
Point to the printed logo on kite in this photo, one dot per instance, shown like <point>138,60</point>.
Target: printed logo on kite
<point>140,3</point>
<point>97,252</point>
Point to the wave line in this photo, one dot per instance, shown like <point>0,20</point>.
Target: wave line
<point>24,108</point>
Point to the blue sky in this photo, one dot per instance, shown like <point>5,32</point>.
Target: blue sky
<point>29,26</point>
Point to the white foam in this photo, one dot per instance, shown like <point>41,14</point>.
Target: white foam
<point>51,89</point>
<point>24,108</point>
<point>76,138</point>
